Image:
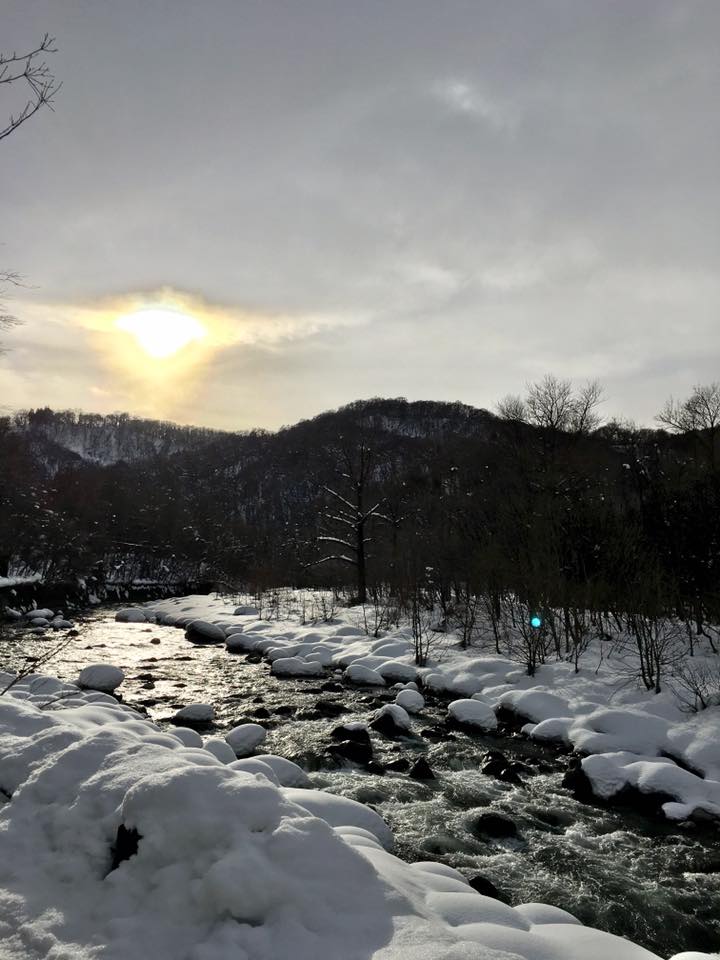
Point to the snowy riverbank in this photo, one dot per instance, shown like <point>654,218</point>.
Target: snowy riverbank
<point>220,857</point>
<point>120,840</point>
<point>631,740</point>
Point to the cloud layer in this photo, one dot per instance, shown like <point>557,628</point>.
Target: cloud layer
<point>397,198</point>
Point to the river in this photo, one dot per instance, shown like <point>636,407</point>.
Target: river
<point>657,884</point>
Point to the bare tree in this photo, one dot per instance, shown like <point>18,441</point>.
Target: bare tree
<point>699,413</point>
<point>348,516</point>
<point>6,319</point>
<point>31,72</point>
<point>553,404</point>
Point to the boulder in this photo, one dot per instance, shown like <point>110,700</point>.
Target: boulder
<point>200,632</point>
<point>421,770</point>
<point>494,825</point>
<point>194,715</point>
<point>245,738</point>
<point>410,700</point>
<point>486,887</point>
<point>357,732</point>
<point>100,676</point>
<point>361,753</point>
<point>392,721</point>
<point>131,615</point>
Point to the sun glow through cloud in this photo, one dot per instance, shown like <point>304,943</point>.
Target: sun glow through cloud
<point>161,331</point>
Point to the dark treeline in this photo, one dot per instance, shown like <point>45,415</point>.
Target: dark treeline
<point>541,501</point>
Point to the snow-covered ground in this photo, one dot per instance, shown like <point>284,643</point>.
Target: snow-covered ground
<point>119,840</point>
<point>221,857</point>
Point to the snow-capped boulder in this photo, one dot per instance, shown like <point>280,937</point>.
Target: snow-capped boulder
<point>244,738</point>
<point>341,812</point>
<point>195,715</point>
<point>297,667</point>
<point>364,676</point>
<point>255,766</point>
<point>240,642</point>
<point>246,611</point>
<point>392,720</point>
<point>60,624</point>
<point>188,737</point>
<point>100,676</point>
<point>410,700</point>
<point>39,622</point>
<point>473,713</point>
<point>288,773</point>
<point>394,671</point>
<point>131,615</point>
<point>218,748</point>
<point>200,632</point>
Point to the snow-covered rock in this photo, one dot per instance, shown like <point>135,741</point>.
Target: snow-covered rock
<point>245,738</point>
<point>131,615</point>
<point>296,667</point>
<point>473,713</point>
<point>410,700</point>
<point>198,714</point>
<point>255,766</point>
<point>362,675</point>
<point>201,632</point>
<point>288,773</point>
<point>341,811</point>
<point>41,613</point>
<point>392,719</point>
<point>246,611</point>
<point>101,676</point>
<point>220,749</point>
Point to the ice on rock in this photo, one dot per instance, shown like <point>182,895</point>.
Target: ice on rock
<point>102,677</point>
<point>131,615</point>
<point>473,713</point>
<point>245,738</point>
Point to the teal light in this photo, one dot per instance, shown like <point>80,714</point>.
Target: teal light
<point>536,622</point>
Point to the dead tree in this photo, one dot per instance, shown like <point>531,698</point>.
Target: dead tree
<point>31,72</point>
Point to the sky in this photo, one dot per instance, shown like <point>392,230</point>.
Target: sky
<point>436,200</point>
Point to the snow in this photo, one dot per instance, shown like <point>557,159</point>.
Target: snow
<point>244,738</point>
<point>227,864</point>
<point>474,713</point>
<point>101,677</point>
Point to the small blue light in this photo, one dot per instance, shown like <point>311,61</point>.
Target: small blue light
<point>536,622</point>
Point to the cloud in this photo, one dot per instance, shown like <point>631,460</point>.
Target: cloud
<point>464,98</point>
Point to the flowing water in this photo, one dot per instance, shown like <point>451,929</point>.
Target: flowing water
<point>658,885</point>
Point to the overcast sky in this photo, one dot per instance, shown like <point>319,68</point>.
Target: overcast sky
<point>431,199</point>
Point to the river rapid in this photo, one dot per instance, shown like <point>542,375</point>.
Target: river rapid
<point>654,883</point>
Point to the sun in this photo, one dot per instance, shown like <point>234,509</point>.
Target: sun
<point>161,331</point>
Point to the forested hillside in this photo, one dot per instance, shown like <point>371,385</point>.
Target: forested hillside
<point>378,491</point>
